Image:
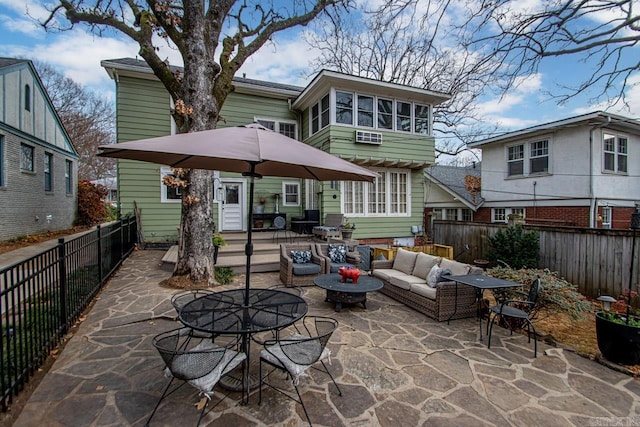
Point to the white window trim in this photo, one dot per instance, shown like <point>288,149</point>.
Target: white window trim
<point>606,216</point>
<point>616,153</point>
<point>526,167</point>
<point>278,122</point>
<point>164,171</point>
<point>283,199</point>
<point>507,212</point>
<point>365,190</point>
<point>354,115</point>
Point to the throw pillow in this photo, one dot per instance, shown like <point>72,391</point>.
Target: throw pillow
<point>338,253</point>
<point>433,276</point>
<point>457,268</point>
<point>424,264</point>
<point>301,257</point>
<point>444,272</point>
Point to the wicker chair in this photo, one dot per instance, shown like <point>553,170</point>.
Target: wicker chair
<point>195,361</point>
<point>331,227</point>
<point>292,274</point>
<point>299,352</point>
<point>352,259</point>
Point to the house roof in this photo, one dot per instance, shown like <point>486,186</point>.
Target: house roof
<point>124,66</point>
<point>597,118</point>
<point>327,79</point>
<point>8,62</point>
<point>10,65</point>
<point>452,180</point>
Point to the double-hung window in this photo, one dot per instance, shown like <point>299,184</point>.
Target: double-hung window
<point>528,159</point>
<point>291,191</point>
<point>365,111</point>
<point>284,127</point>
<point>26,157</point>
<point>385,113</point>
<point>344,108</point>
<point>1,160</point>
<point>403,116</point>
<point>421,119</point>
<point>320,114</point>
<point>388,195</point>
<point>515,160</point>
<point>169,193</point>
<point>539,159</point>
<point>615,153</point>
<point>48,177</point>
<point>68,176</point>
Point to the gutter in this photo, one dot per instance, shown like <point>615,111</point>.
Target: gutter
<point>593,204</point>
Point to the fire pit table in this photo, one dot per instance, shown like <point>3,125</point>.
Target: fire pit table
<point>348,292</point>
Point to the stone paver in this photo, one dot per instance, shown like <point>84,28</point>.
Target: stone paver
<point>394,365</point>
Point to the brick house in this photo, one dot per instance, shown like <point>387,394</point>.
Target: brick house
<point>581,171</point>
<point>38,163</point>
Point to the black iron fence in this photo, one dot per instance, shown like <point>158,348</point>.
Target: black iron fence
<point>42,296</point>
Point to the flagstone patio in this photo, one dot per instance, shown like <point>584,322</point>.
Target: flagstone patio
<point>395,367</point>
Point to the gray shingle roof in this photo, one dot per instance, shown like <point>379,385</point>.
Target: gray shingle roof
<point>452,177</point>
<point>7,62</point>
<point>143,67</point>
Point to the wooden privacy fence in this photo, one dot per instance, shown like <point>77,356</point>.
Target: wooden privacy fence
<point>596,260</point>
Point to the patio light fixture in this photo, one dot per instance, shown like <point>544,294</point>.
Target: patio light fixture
<point>606,301</point>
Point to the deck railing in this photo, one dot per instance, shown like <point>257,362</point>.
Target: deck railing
<point>42,296</point>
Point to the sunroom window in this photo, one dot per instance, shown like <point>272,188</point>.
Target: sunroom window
<point>385,113</point>
<point>388,195</point>
<point>344,108</point>
<point>365,111</point>
<point>422,119</point>
<point>403,116</point>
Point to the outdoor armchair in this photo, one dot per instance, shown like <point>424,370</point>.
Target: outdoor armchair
<point>297,353</point>
<point>516,314</point>
<point>331,227</point>
<point>196,361</point>
<point>306,266</point>
<point>336,256</point>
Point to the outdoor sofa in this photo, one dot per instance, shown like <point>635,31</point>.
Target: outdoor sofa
<point>405,279</point>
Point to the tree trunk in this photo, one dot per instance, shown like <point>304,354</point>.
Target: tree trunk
<point>195,254</point>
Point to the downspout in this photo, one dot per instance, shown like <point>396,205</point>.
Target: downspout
<point>593,204</point>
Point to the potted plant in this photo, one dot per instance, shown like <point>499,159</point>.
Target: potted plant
<point>217,241</point>
<point>618,331</point>
<point>346,229</point>
<point>259,208</point>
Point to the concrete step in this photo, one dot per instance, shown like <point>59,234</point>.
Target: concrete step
<point>265,258</point>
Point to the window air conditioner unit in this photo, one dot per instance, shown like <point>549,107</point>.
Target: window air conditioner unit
<point>365,137</point>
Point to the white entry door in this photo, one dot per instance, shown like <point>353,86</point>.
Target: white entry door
<point>232,206</point>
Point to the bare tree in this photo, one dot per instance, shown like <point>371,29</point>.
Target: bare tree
<point>197,29</point>
<point>603,33</point>
<point>411,43</point>
<point>88,119</point>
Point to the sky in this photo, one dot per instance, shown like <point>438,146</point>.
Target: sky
<point>77,53</point>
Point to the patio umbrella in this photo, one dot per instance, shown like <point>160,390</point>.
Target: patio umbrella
<point>252,150</point>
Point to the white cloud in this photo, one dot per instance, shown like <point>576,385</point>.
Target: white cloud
<point>523,89</point>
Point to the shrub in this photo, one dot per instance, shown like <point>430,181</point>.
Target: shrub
<point>515,247</point>
<point>91,208</point>
<point>557,294</point>
<point>224,275</point>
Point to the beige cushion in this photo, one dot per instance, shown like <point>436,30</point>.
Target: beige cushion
<point>424,263</point>
<point>424,290</point>
<point>457,268</point>
<point>386,274</point>
<point>405,281</point>
<point>404,261</point>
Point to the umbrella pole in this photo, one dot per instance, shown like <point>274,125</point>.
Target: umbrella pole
<point>248,249</point>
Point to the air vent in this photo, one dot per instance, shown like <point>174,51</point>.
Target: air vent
<point>365,137</point>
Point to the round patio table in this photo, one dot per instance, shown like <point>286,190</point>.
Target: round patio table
<point>224,313</point>
<point>347,292</point>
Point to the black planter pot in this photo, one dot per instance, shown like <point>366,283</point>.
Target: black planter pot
<point>617,342</point>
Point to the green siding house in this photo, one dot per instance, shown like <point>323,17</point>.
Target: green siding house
<point>382,126</point>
